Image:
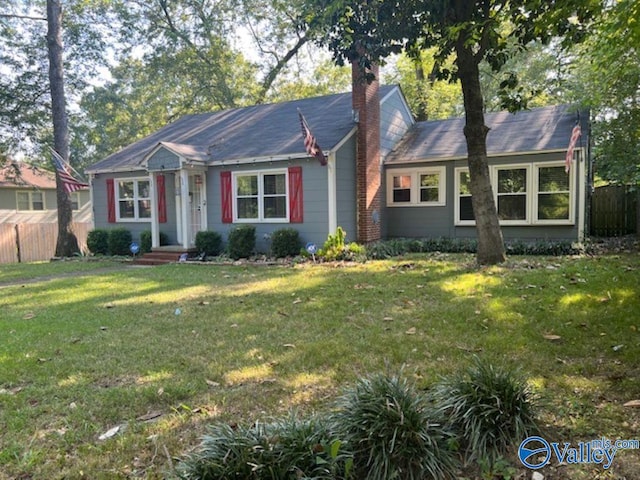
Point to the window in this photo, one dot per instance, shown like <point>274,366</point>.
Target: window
<point>416,187</point>
<point>511,192</point>
<point>75,200</point>
<point>134,200</point>
<point>464,208</point>
<point>553,198</point>
<point>261,196</point>
<point>31,200</point>
<point>526,194</point>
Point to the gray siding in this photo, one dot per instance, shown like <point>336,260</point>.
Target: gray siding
<point>395,120</point>
<point>346,188</point>
<point>163,159</point>
<point>316,217</point>
<point>436,221</point>
<point>100,207</point>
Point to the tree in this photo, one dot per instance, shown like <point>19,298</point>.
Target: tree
<point>67,244</point>
<point>473,30</point>
<point>608,65</point>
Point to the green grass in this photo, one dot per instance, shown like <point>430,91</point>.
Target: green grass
<point>80,354</point>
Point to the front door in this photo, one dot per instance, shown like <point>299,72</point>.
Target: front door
<point>197,206</point>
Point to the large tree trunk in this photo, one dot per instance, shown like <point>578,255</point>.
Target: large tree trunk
<point>67,244</point>
<point>490,242</point>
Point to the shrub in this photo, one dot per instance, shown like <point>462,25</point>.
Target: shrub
<point>98,241</point>
<point>490,408</point>
<point>145,240</point>
<point>392,431</point>
<point>335,248</point>
<point>284,449</point>
<point>285,243</point>
<point>241,242</point>
<point>209,243</point>
<point>119,241</point>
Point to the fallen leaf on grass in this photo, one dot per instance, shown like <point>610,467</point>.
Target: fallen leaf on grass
<point>211,383</point>
<point>411,331</point>
<point>296,301</point>
<point>632,404</point>
<point>551,337</point>
<point>149,416</point>
<point>112,432</point>
<point>289,345</point>
<point>29,316</point>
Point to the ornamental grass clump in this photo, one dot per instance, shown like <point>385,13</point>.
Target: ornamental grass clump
<point>392,432</point>
<point>287,448</point>
<point>490,408</point>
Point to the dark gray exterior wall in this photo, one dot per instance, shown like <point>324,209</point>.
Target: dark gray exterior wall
<point>163,159</point>
<point>439,221</point>
<point>316,217</point>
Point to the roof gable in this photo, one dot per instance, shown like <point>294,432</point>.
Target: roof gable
<point>536,130</point>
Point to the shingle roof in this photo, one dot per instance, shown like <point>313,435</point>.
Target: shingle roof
<point>260,131</point>
<point>536,130</point>
<point>21,175</point>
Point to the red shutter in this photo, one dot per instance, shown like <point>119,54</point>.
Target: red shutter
<point>162,200</point>
<point>111,201</point>
<point>227,197</point>
<point>295,195</point>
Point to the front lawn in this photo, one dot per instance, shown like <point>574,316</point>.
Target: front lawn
<point>116,373</point>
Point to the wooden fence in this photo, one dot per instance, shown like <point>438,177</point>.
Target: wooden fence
<point>614,211</point>
<point>31,242</point>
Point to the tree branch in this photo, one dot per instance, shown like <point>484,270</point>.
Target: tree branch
<point>22,17</point>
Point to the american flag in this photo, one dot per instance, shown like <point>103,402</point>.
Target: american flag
<point>70,183</point>
<point>575,134</point>
<point>310,143</point>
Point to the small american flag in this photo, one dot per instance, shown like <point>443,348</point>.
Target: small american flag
<point>70,183</point>
<point>575,134</point>
<point>310,143</point>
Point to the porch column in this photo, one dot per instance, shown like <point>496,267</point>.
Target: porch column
<point>332,201</point>
<point>184,189</point>
<point>155,236</point>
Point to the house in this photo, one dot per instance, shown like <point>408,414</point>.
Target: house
<point>385,176</point>
<point>28,195</point>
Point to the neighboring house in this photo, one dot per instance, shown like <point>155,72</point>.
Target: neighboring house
<point>28,195</point>
<point>386,175</point>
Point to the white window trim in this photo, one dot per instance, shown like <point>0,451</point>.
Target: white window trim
<point>571,219</point>
<point>75,195</point>
<point>136,199</point>
<point>260,174</point>
<point>528,200</point>
<point>456,206</point>
<point>415,186</point>
<point>533,169</point>
<point>30,194</point>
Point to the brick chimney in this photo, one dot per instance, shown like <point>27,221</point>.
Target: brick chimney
<point>366,105</point>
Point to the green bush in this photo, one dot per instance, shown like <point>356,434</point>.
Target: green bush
<point>209,243</point>
<point>284,449</point>
<point>490,409</point>
<point>241,241</point>
<point>98,241</point>
<point>285,243</point>
<point>145,240</point>
<point>119,241</point>
<point>392,431</point>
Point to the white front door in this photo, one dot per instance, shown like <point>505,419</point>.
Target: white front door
<point>197,205</point>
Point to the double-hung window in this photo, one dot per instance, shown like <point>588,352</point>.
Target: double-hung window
<point>553,194</point>
<point>511,187</point>
<point>133,199</point>
<point>463,206</point>
<point>416,187</point>
<point>261,196</point>
<point>30,200</point>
